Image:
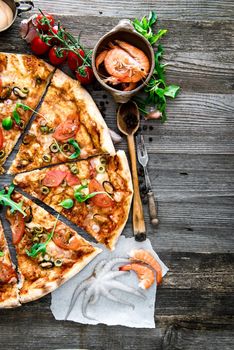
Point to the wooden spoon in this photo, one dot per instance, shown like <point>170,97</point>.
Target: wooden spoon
<point>128,121</point>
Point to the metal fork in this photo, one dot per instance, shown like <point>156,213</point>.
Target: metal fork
<point>143,158</point>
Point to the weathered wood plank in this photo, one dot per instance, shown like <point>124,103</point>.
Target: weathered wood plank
<point>181,9</point>
<point>199,54</point>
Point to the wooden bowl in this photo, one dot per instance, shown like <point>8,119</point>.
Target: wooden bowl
<point>126,32</point>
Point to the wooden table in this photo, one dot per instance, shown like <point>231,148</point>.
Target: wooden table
<point>192,169</point>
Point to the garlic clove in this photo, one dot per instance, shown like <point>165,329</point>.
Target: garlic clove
<point>116,138</point>
<point>153,115</point>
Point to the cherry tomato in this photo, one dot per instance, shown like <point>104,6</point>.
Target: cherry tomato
<point>54,178</point>
<point>54,41</point>
<point>55,58</point>
<point>42,21</point>
<point>100,200</point>
<point>17,228</point>
<point>1,138</point>
<point>6,273</point>
<point>84,75</point>
<point>72,180</point>
<point>66,239</point>
<point>66,130</point>
<point>74,61</point>
<point>38,46</point>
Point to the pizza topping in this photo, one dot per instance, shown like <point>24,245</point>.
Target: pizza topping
<point>102,199</point>
<point>5,93</point>
<point>29,215</point>
<point>58,263</point>
<point>72,180</point>
<point>66,148</point>
<point>17,227</point>
<point>100,218</point>
<point>5,199</point>
<point>40,248</point>
<point>54,178</point>
<point>1,254</point>
<point>45,190</point>
<point>54,147</point>
<point>46,158</point>
<point>66,130</point>
<point>6,273</point>
<point>1,138</point>
<point>66,239</point>
<point>67,203</point>
<point>22,93</point>
<point>46,264</point>
<point>108,187</point>
<point>2,154</point>
<point>100,169</point>
<point>7,123</point>
<point>73,168</point>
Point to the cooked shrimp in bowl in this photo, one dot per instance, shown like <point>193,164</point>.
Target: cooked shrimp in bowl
<point>122,65</point>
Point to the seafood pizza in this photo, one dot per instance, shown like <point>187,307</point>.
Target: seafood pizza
<point>68,126</point>
<point>48,252</point>
<point>23,79</point>
<point>8,277</point>
<point>95,194</point>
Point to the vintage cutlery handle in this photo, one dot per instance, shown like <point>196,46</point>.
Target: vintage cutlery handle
<point>138,216</point>
<point>153,210</point>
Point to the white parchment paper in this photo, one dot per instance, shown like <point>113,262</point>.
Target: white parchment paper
<point>107,311</point>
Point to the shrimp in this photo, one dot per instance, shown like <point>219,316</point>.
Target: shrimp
<point>124,63</point>
<point>144,273</point>
<point>100,58</point>
<point>145,257</point>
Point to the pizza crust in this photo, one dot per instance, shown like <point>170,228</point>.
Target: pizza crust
<point>126,174</point>
<point>59,80</point>
<point>48,287</point>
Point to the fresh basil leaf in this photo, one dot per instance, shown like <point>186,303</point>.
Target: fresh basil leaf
<point>76,147</point>
<point>172,91</point>
<point>67,203</point>
<point>7,123</point>
<point>80,197</point>
<point>1,254</point>
<point>16,116</point>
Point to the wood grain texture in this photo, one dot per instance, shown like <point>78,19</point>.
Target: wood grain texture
<point>191,167</point>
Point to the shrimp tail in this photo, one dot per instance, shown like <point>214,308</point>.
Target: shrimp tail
<point>100,58</point>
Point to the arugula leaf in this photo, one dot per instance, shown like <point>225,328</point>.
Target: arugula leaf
<point>41,247</point>
<point>1,254</point>
<point>80,197</point>
<point>5,199</point>
<point>76,147</point>
<point>74,144</point>
<point>23,106</point>
<point>67,203</point>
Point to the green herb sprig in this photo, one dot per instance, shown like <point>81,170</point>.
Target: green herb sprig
<point>5,199</point>
<point>144,27</point>
<point>1,254</point>
<point>76,146</point>
<point>80,197</point>
<point>38,248</point>
<point>7,123</point>
<point>157,91</point>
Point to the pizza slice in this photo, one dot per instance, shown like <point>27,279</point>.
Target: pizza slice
<point>48,251</point>
<point>68,126</point>
<point>23,80</point>
<point>8,278</point>
<point>95,194</point>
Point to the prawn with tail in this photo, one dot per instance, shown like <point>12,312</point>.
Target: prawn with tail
<point>125,64</point>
